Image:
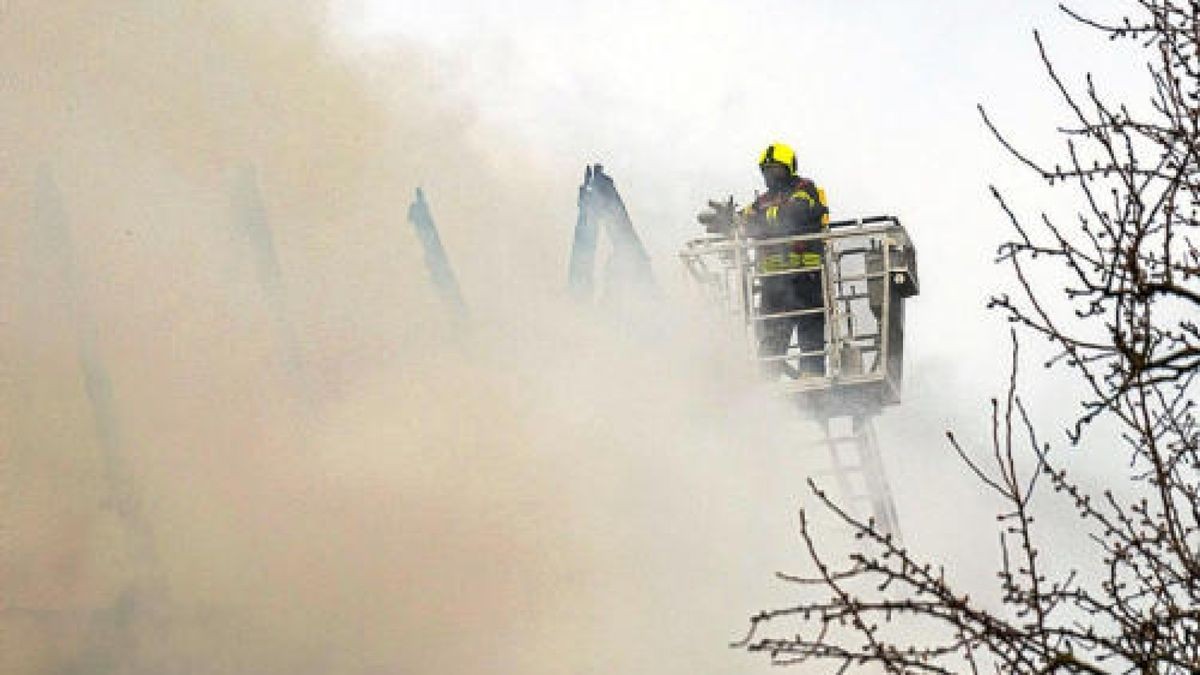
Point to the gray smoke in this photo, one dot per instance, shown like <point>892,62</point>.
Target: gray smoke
<point>240,432</point>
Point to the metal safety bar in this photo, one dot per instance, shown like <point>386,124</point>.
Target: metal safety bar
<point>839,230</point>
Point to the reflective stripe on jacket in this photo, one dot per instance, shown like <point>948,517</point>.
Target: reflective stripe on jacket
<point>799,209</point>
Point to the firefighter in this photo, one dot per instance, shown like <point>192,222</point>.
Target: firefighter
<point>791,205</point>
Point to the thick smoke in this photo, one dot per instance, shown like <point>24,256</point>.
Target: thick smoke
<point>241,435</point>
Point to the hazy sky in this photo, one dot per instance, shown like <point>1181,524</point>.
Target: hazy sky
<point>677,98</point>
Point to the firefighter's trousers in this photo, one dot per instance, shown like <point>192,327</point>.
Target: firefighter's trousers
<point>785,294</point>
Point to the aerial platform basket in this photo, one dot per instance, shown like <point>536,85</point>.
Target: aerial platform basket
<point>869,269</point>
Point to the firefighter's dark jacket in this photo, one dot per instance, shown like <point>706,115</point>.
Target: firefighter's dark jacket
<point>798,208</point>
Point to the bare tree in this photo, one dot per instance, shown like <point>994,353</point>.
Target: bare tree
<point>1130,336</point>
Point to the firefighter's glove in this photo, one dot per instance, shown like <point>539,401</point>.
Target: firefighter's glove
<point>719,218</point>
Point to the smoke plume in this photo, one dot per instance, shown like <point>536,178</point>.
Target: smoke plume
<point>239,432</point>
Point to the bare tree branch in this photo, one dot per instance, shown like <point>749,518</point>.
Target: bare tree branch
<point>1131,273</point>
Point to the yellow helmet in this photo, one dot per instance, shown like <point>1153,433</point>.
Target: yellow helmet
<point>779,154</point>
